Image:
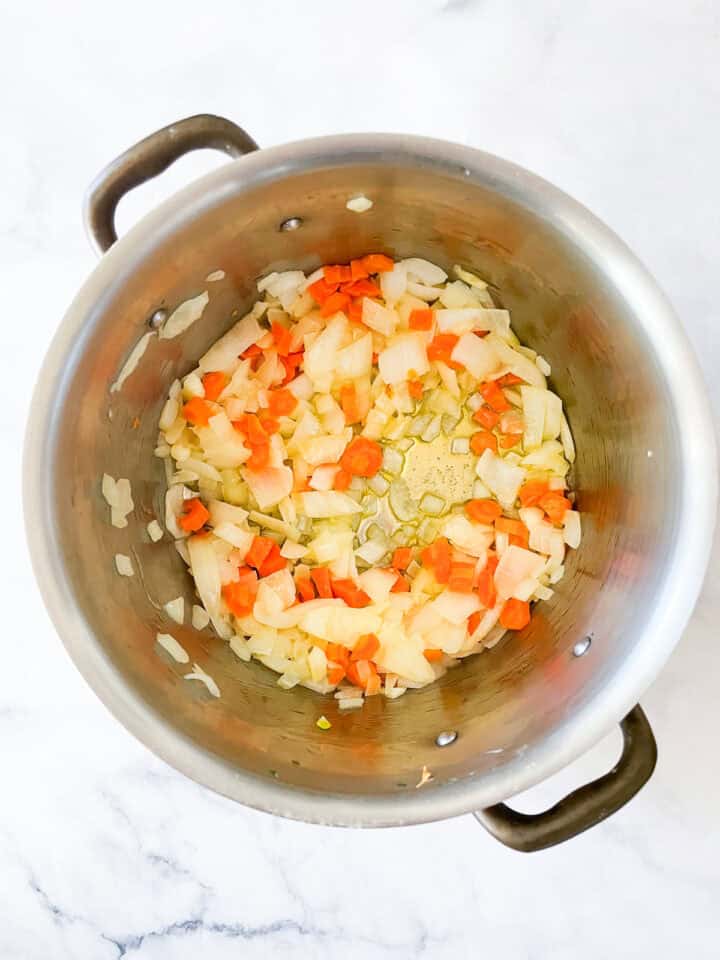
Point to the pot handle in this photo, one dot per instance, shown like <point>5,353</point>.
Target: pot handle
<point>150,157</point>
<point>586,806</point>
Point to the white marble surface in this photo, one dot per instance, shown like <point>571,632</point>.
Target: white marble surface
<point>104,851</point>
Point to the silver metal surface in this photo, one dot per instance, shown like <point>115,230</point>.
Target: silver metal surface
<point>445,738</point>
<point>582,647</point>
<point>620,362</point>
<point>292,223</point>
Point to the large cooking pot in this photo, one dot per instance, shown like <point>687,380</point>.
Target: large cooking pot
<point>645,476</point>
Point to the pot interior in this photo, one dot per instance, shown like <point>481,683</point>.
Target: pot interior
<point>563,305</point>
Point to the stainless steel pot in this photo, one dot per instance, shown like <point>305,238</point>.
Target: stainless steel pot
<point>645,475</point>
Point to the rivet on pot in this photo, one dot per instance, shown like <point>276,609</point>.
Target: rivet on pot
<point>582,647</point>
<point>445,738</point>
<point>157,319</point>
<point>292,223</point>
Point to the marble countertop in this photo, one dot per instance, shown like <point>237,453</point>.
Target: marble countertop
<point>105,852</point>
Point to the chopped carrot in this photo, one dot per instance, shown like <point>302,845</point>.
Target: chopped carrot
<point>373,684</point>
<point>281,402</point>
<point>305,588</point>
<point>438,556</point>
<point>415,389</point>
<point>321,579</point>
<point>365,647</point>
<point>461,578</point>
<point>349,403</point>
<point>268,422</point>
<point>515,614</point>
<point>349,591</point>
<point>214,383</point>
<point>198,411</point>
<point>358,270</point>
<point>342,480</point>
<point>273,562</point>
<point>421,319</point>
<point>483,440</point>
<point>252,351</point>
<point>485,587</point>
<point>354,311</point>
<point>259,550</point>
<point>401,558</point>
<point>363,673</point>
<point>321,290</point>
<point>361,288</point>
<point>335,303</point>
<point>433,654</point>
<point>337,274</point>
<point>282,338</point>
<point>377,263</point>
<point>401,585</point>
<point>335,673</point>
<point>492,393</point>
<point>249,424</point>
<point>555,505</point>
<point>259,457</point>
<point>483,511</point>
<point>441,346</point>
<point>508,525</point>
<point>337,653</point>
<point>509,440</point>
<point>532,492</point>
<point>486,416</point>
<point>509,380</point>
<point>474,621</point>
<point>239,598</point>
<point>195,515</point>
<point>362,457</point>
<point>291,363</point>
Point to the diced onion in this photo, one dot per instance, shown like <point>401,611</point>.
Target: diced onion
<point>359,204</point>
<point>199,674</point>
<point>171,646</point>
<point>393,461</point>
<point>378,484</point>
<point>330,504</point>
<point>571,529</point>
<point>123,565</point>
<point>175,609</point>
<point>155,531</point>
<point>200,617</point>
<point>460,445</point>
<point>432,430</point>
<point>432,505</point>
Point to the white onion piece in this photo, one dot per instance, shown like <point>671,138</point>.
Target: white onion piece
<point>424,271</point>
<point>331,504</point>
<point>455,607</point>
<point>171,646</point>
<point>270,485</point>
<point>476,355</point>
<point>571,529</point>
<point>200,617</point>
<point>567,440</point>
<point>359,204</point>
<point>393,284</point>
<point>355,360</point>
<point>223,354</point>
<point>516,564</point>
<point>132,361</point>
<point>155,531</point>
<point>184,316</point>
<point>503,479</point>
<point>473,538</point>
<point>206,573</point>
<point>237,537</point>
<point>378,318</point>
<point>199,674</point>
<point>123,565</point>
<point>175,609</point>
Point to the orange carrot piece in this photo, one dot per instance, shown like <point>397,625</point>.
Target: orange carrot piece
<point>361,288</point>
<point>373,684</point>
<point>515,614</point>
<point>321,578</point>
<point>365,647</point>
<point>273,562</point>
<point>462,576</point>
<point>342,480</point>
<point>485,588</point>
<point>377,263</point>
<point>268,422</point>
<point>259,550</point>
<point>486,416</point>
<point>281,402</point>
<point>335,303</point>
<point>438,557</point>
<point>358,271</point>
<point>474,620</point>
<point>441,346</point>
<point>337,653</point>
<point>421,319</point>
<point>509,380</point>
<point>483,440</point>
<point>349,591</point>
<point>282,338</point>
<point>335,673</point>
<point>493,395</point>
<point>305,588</point>
<point>433,654</point>
<point>362,457</point>
<point>415,389</point>
<point>214,383</point>
<point>259,457</point>
<point>508,525</point>
<point>483,511</point>
<point>532,492</point>
<point>354,311</point>
<point>401,558</point>
<point>349,404</point>
<point>321,290</point>
<point>239,598</point>
<point>555,505</point>
<point>401,585</point>
<point>291,363</point>
<point>198,411</point>
<point>509,440</point>
<point>336,274</point>
<point>195,515</point>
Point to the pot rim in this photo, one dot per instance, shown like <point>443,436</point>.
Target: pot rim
<point>686,564</point>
